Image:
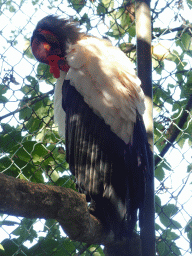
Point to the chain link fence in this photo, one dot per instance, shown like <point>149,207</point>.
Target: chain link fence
<point>31,149</point>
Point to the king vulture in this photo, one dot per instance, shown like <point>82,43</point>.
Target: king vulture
<point>98,106</point>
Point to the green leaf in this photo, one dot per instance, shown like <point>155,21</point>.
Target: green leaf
<point>159,173</point>
<point>10,247</point>
<point>53,226</point>
<point>12,9</point>
<point>155,63</point>
<point>189,235</point>
<point>25,113</point>
<point>9,137</point>
<point>53,175</point>
<point>3,89</point>
<point>176,107</point>
<point>166,165</point>
<point>189,168</point>
<point>190,141</point>
<point>186,40</point>
<point>27,90</point>
<point>157,204</point>
<point>174,249</point>
<point>132,31</point>
<point>161,247</point>
<point>125,20</point>
<point>108,3</point>
<point>85,19</point>
<point>33,124</point>
<point>170,235</point>
<point>51,246</point>
<point>24,152</point>
<point>160,67</point>
<point>25,231</point>
<point>101,9</point>
<point>48,136</point>
<point>158,227</point>
<point>181,142</point>
<point>5,163</point>
<point>189,2</point>
<point>100,250</point>
<point>3,99</point>
<point>175,224</point>
<point>189,77</point>
<point>118,30</point>
<point>77,4</point>
<point>39,153</point>
<point>43,73</point>
<point>67,181</point>
<point>165,216</point>
<point>170,209</point>
<point>36,176</point>
<point>34,84</point>
<point>164,219</point>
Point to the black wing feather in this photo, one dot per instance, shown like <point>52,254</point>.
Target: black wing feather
<point>106,169</point>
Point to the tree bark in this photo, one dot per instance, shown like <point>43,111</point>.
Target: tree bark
<point>32,200</point>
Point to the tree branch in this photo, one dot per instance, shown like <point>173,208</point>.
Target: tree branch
<point>181,123</point>
<point>29,103</point>
<point>32,200</point>
<point>165,31</point>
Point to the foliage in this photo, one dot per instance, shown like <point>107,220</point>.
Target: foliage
<point>31,149</point>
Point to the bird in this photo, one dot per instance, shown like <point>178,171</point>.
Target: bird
<point>98,106</point>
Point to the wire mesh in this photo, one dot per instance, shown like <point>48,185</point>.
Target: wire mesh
<point>31,149</point>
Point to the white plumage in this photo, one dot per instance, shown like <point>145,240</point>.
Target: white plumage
<point>59,113</point>
<point>105,77</point>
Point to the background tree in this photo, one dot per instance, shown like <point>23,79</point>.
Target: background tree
<point>30,148</point>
